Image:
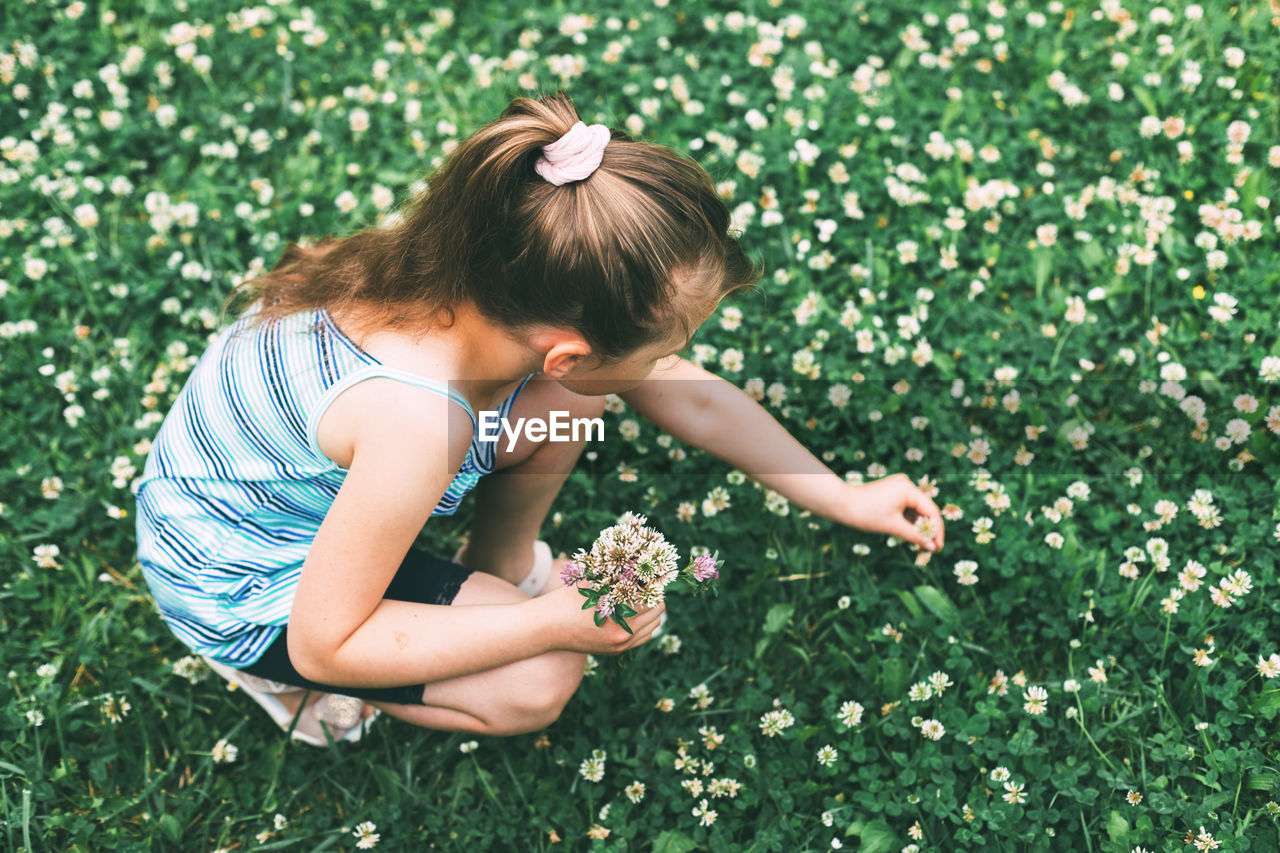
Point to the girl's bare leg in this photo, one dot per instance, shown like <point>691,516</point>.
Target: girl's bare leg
<point>512,503</point>
<point>519,697</point>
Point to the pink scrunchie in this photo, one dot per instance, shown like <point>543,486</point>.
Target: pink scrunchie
<point>574,156</point>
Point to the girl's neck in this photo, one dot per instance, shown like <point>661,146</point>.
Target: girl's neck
<point>478,357</point>
<point>489,360</point>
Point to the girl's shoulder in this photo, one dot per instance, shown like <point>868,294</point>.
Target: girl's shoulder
<point>383,405</point>
<point>400,381</point>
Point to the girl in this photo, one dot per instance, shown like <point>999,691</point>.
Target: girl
<point>547,264</point>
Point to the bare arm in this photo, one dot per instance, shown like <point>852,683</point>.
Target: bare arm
<point>710,413</point>
<point>407,444</point>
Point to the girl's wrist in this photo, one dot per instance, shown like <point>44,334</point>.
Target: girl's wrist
<point>843,503</point>
<point>546,631</point>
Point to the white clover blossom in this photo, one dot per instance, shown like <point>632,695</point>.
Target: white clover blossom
<point>773,722</point>
<point>224,752</point>
<point>368,838</point>
<point>592,768</point>
<point>966,572</point>
<point>932,729</point>
<point>850,714</point>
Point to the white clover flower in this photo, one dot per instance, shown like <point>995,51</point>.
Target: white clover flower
<point>1223,308</point>
<point>190,667</point>
<point>592,769</point>
<point>966,572</point>
<point>731,359</point>
<point>224,752</point>
<point>940,681</point>
<point>850,714</point>
<point>46,556</point>
<point>1075,313</point>
<point>772,723</point>
<point>368,838</point>
<point>932,729</point>
<point>1036,698</point>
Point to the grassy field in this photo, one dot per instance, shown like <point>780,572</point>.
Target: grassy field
<point>1026,254</point>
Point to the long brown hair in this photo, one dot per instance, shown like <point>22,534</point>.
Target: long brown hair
<point>620,256</point>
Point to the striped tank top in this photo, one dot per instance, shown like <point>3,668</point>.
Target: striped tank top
<point>235,486</point>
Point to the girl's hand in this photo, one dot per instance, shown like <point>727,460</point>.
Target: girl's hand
<point>893,505</point>
<point>575,629</point>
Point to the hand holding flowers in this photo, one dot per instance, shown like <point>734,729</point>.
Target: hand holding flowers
<point>628,568</point>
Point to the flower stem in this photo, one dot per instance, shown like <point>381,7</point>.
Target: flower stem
<point>1212,756</point>
<point>1083,728</point>
<point>1139,594</point>
<point>978,601</point>
<point>1165,648</point>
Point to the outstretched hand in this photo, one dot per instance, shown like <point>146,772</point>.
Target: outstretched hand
<point>894,506</point>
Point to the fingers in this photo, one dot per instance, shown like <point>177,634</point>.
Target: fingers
<point>645,634</point>
<point>647,619</point>
<point>929,509</point>
<point>918,503</point>
<point>613,639</point>
<point>908,532</point>
<point>643,624</point>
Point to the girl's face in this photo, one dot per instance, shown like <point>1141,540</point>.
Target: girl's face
<point>593,378</point>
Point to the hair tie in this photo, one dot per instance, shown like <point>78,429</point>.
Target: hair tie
<point>574,156</point>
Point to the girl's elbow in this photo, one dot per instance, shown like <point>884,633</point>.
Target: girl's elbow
<point>311,659</point>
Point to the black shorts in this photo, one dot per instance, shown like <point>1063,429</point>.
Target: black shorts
<point>423,579</point>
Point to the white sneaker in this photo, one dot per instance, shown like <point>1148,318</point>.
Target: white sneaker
<point>662,624</point>
<point>332,712</point>
<point>537,577</point>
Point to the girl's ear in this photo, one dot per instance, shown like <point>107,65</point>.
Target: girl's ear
<point>564,356</point>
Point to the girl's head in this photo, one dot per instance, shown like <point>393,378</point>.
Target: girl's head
<point>636,253</point>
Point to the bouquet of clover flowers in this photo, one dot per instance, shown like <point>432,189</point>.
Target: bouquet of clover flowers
<point>630,567</point>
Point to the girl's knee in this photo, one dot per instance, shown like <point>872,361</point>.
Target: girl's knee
<point>544,688</point>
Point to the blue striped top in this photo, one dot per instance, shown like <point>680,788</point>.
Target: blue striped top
<point>235,486</point>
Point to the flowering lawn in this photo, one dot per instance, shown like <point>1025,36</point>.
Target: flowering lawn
<point>1026,254</point>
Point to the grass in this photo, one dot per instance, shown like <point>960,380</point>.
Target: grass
<point>993,262</point>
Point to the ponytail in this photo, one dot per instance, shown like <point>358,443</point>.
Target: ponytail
<point>619,255</point>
